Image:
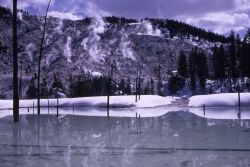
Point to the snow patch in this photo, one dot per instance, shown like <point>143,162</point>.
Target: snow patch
<point>220,100</point>
<point>96,74</point>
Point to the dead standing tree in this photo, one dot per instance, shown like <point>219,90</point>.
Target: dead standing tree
<point>160,66</point>
<point>15,64</point>
<point>111,67</point>
<point>40,59</point>
<point>138,80</point>
<point>138,83</point>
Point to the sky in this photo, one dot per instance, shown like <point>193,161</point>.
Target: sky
<point>219,16</point>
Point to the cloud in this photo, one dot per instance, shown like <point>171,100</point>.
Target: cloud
<point>26,3</point>
<point>61,15</point>
<point>221,23</point>
<point>242,5</point>
<point>92,10</point>
<point>214,15</point>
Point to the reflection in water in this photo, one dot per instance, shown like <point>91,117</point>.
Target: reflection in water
<point>174,139</point>
<point>222,113</point>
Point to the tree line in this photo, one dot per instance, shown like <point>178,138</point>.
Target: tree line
<point>85,85</point>
<point>228,62</point>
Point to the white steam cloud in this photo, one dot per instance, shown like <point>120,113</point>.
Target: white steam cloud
<point>126,48</point>
<point>67,49</point>
<point>97,27</point>
<point>150,30</point>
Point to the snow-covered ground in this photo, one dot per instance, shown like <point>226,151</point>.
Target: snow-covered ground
<point>218,106</point>
<point>121,106</point>
<point>99,101</point>
<point>220,100</point>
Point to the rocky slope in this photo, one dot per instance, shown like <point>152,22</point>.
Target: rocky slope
<point>90,45</point>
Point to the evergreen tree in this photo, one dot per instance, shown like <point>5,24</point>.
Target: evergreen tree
<point>218,62</point>
<point>97,86</point>
<point>221,63</point>
<point>202,69</point>
<point>57,83</point>
<point>44,89</point>
<point>193,68</point>
<point>81,87</point>
<point>244,57</point>
<point>238,45</point>
<point>182,64</point>
<point>233,72</point>
<point>214,61</point>
<point>128,90</point>
<point>152,86</point>
<point>122,86</point>
<point>32,89</point>
<point>146,90</point>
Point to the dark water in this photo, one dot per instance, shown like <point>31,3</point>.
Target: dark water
<point>175,139</point>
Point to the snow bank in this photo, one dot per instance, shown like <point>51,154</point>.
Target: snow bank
<point>121,106</point>
<point>220,100</point>
<point>100,101</point>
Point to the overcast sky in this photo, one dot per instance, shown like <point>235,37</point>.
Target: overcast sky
<point>219,16</point>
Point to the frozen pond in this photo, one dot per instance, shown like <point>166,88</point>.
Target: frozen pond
<point>179,138</point>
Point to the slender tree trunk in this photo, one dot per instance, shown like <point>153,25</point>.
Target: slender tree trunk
<point>140,85</point>
<point>20,80</point>
<point>109,87</point>
<point>15,65</point>
<point>159,81</point>
<point>136,86</point>
<point>39,61</point>
<point>108,97</point>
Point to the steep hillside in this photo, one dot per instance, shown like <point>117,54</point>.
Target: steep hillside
<point>92,44</point>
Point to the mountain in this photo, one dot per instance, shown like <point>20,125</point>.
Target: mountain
<point>93,44</point>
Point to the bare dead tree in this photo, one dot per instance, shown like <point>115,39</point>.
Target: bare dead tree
<point>20,79</point>
<point>161,61</point>
<point>136,86</point>
<point>111,67</point>
<point>139,82</point>
<point>140,68</point>
<point>40,59</point>
<point>15,64</point>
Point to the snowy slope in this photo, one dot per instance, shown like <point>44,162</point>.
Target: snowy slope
<point>73,47</point>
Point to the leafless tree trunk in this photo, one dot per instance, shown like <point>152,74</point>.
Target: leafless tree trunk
<point>39,61</point>
<point>111,70</point>
<point>136,86</point>
<point>139,85</point>
<point>15,64</point>
<point>20,80</point>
